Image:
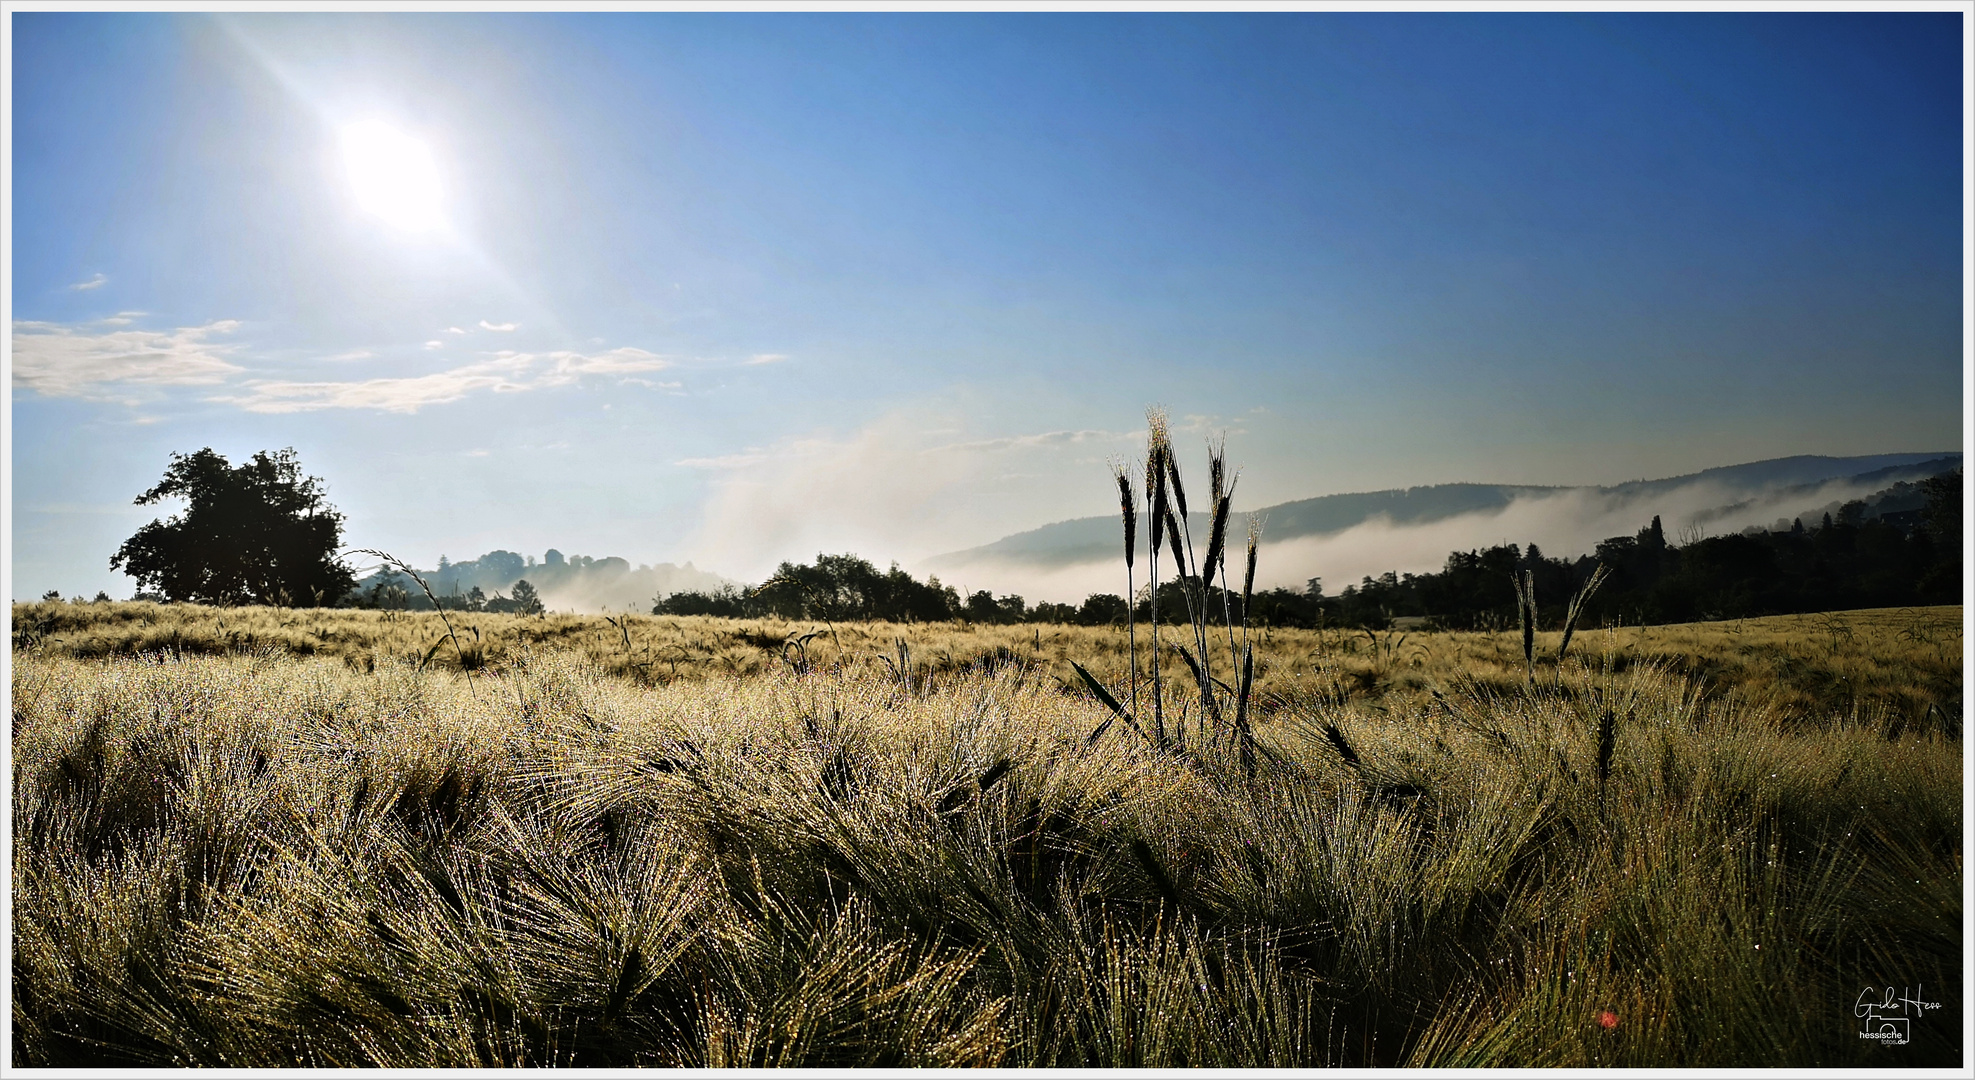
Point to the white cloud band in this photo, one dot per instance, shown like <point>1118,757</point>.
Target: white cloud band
<point>57,361</point>
<point>507,372</point>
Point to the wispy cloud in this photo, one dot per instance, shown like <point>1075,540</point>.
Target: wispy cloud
<point>454,330</point>
<point>96,282</point>
<point>621,361</point>
<point>1208,425</point>
<point>506,373</point>
<point>726,461</point>
<point>765,358</point>
<point>405,395</point>
<point>503,328</point>
<point>1047,438</point>
<point>57,361</point>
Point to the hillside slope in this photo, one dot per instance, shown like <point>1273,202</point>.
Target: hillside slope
<point>1095,539</point>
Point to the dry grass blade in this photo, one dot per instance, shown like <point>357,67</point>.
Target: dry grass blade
<point>1241,728</point>
<point>1196,617</point>
<point>1110,701</point>
<point>405,567</point>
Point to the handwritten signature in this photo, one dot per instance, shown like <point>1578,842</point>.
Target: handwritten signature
<point>1888,1015</point>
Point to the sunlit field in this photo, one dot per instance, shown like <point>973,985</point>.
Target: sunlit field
<point>320,841</point>
<point>1895,667</point>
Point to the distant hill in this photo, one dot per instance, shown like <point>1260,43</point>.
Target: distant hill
<point>1802,470</point>
<point>1096,539</point>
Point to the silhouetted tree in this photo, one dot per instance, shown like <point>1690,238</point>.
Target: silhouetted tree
<point>842,587</point>
<point>1942,515</point>
<point>261,533</point>
<point>1100,609</point>
<point>982,608</point>
<point>1048,612</point>
<point>1943,512</point>
<point>526,600</point>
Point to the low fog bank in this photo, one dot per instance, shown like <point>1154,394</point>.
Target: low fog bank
<point>909,483</point>
<point>1567,523</point>
<point>576,583</point>
<point>627,589</point>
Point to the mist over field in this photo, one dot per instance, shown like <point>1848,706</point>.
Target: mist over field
<point>1563,522</point>
<point>901,488</point>
<point>627,590</point>
<point>577,583</point>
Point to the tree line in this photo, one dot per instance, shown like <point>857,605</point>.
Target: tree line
<point>1843,562</point>
<point>395,590</point>
<point>1857,558</point>
<point>263,533</point>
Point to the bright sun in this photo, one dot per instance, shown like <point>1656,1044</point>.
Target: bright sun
<point>393,175</point>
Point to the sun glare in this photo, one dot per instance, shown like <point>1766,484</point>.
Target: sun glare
<point>393,176</point>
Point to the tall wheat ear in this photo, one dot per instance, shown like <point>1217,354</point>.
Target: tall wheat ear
<point>1128,508</point>
<point>1221,490</point>
<point>1158,448</point>
<point>1525,584</point>
<point>1245,733</point>
<point>1577,604</point>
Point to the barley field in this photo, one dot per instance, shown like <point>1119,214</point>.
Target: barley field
<point>279,837</point>
<point>1897,666</point>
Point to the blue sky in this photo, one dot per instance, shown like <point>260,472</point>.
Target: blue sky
<point>737,288</point>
